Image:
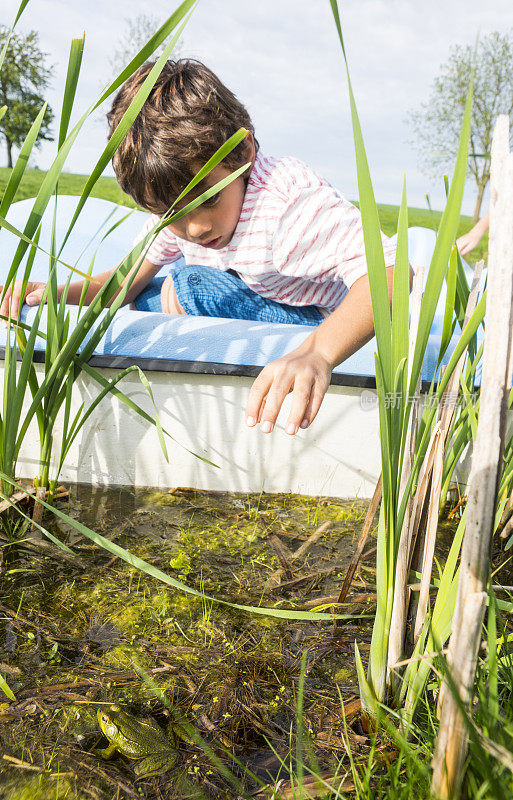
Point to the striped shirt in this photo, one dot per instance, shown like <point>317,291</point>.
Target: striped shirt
<point>298,240</point>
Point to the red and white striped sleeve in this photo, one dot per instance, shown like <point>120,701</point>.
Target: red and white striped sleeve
<point>164,248</point>
<point>320,237</point>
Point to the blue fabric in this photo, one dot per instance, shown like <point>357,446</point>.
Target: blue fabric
<point>208,292</point>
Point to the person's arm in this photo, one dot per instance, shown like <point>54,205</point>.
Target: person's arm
<point>306,371</point>
<point>145,270</point>
<point>470,240</point>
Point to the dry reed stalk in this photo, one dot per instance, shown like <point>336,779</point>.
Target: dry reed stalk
<point>428,496</point>
<point>431,528</point>
<point>37,513</point>
<point>362,541</point>
<point>451,745</point>
<point>508,528</point>
<point>445,416</point>
<point>448,406</point>
<point>312,787</point>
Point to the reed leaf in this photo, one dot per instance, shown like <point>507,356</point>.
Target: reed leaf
<point>371,232</point>
<point>443,247</point>
<point>21,162</point>
<point>74,64</point>
<point>51,178</point>
<point>4,686</point>
<point>122,128</point>
<point>21,8</point>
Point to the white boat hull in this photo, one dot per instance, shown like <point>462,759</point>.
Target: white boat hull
<point>338,456</point>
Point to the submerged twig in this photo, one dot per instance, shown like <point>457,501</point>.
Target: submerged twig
<point>362,541</point>
<point>273,581</point>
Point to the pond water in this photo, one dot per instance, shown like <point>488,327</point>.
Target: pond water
<point>80,632</point>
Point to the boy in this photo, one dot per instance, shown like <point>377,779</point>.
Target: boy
<point>277,244</point>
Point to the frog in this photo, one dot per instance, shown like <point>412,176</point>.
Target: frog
<point>139,738</point>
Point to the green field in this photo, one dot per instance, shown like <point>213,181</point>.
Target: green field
<point>108,189</point>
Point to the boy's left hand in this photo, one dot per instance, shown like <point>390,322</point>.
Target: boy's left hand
<point>306,374</point>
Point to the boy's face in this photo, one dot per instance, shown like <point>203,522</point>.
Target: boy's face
<point>213,223</point>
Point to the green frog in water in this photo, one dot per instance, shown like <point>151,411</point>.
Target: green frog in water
<point>139,738</point>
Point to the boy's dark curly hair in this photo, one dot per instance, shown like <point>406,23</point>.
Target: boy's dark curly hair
<point>187,116</point>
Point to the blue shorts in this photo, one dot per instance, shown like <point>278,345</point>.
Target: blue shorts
<point>209,292</point>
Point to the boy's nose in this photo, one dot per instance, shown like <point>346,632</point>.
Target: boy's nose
<point>199,227</point>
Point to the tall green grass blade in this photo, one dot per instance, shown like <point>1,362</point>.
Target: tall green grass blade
<point>299,721</point>
<point>443,247</point>
<point>491,637</point>
<point>462,291</point>
<point>39,391</point>
<point>21,8</point>
<point>380,631</point>
<point>368,698</point>
<point>401,289</point>
<point>371,232</point>
<point>102,381</point>
<point>21,163</point>
<point>74,64</point>
<point>80,418</point>
<point>122,129</point>
<point>27,374</point>
<point>216,159</point>
<point>430,412</point>
<point>102,299</point>
<point>202,197</point>
<point>52,176</point>
<point>4,686</point>
<point>52,322</point>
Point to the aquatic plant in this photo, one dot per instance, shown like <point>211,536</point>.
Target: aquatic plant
<point>418,460</point>
<point>68,350</point>
<point>398,372</point>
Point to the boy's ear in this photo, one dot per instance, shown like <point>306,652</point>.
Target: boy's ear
<point>249,144</point>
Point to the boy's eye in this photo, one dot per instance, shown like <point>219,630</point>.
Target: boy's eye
<point>212,200</point>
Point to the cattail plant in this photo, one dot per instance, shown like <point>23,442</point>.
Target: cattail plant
<point>412,454</point>
<point>484,477</point>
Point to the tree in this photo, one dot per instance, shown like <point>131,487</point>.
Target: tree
<point>23,77</point>
<point>437,125</point>
<point>137,33</point>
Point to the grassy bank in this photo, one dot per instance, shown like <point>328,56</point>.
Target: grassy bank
<point>108,189</point>
<point>69,183</point>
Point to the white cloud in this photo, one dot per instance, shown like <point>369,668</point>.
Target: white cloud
<point>283,59</point>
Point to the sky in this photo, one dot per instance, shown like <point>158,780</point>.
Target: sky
<point>283,59</point>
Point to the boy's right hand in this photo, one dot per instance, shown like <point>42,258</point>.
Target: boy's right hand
<point>33,295</point>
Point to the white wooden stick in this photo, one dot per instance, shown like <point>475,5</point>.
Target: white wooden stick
<point>452,743</point>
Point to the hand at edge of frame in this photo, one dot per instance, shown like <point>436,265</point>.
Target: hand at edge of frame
<point>33,295</point>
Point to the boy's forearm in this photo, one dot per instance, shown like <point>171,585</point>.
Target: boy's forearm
<point>75,289</point>
<point>347,328</point>
<point>306,371</point>
<point>483,224</point>
<point>143,270</point>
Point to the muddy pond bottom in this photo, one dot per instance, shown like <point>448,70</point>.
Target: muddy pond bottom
<point>85,629</point>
